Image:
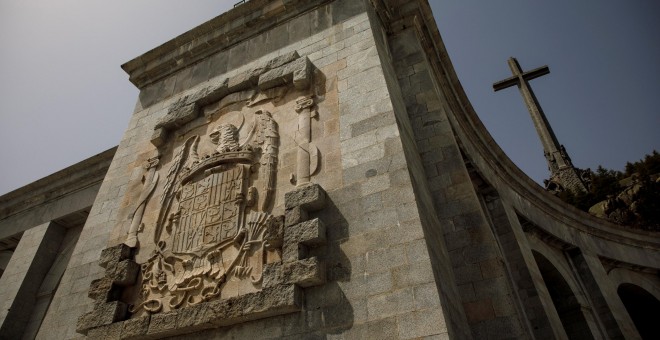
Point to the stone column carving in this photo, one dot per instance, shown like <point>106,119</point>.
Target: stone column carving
<point>307,152</point>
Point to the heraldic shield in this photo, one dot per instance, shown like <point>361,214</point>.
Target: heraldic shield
<point>210,211</point>
<point>213,235</point>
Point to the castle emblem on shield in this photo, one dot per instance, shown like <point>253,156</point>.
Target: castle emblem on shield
<point>214,228</point>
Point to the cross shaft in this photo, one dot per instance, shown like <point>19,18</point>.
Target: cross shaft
<point>521,79</point>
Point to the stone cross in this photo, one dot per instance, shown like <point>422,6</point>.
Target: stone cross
<point>559,163</point>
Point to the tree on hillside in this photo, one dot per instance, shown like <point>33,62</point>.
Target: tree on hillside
<point>630,198</point>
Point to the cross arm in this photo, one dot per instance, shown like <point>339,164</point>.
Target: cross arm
<point>537,72</point>
<point>502,84</point>
<point>515,80</point>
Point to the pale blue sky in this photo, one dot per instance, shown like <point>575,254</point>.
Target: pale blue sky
<point>63,96</point>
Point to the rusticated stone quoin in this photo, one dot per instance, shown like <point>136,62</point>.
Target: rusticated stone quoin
<point>123,273</point>
<point>115,254</point>
<point>309,233</point>
<point>102,314</point>
<point>120,271</point>
<point>305,273</point>
<point>295,215</point>
<point>311,198</point>
<point>298,238</point>
<point>300,234</point>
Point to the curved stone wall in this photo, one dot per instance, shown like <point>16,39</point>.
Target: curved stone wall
<point>594,256</point>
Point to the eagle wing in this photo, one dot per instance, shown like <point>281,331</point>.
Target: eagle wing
<point>265,137</point>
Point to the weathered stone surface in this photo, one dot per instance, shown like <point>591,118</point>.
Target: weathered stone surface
<point>178,116</point>
<point>123,273</point>
<point>163,324</point>
<point>296,73</point>
<point>108,332</point>
<point>281,60</point>
<point>302,74</point>
<point>311,198</point>
<point>305,273</point>
<point>102,314</point>
<point>267,302</point>
<point>114,254</point>
<point>100,289</point>
<point>288,69</point>
<point>274,300</point>
<point>199,317</point>
<point>159,137</point>
<point>236,97</point>
<point>309,233</point>
<point>239,82</point>
<point>294,216</point>
<point>274,234</point>
<point>272,275</point>
<point>135,328</point>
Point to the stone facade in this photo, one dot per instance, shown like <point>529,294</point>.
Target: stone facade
<point>313,169</point>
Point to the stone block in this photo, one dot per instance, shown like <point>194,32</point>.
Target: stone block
<point>389,304</point>
<point>108,332</point>
<point>272,275</point>
<point>274,233</point>
<point>305,273</point>
<point>346,9</point>
<point>159,137</point>
<point>311,198</point>
<point>293,251</point>
<point>302,74</point>
<point>297,72</point>
<point>102,314</point>
<point>421,323</point>
<point>275,300</point>
<point>115,254</point>
<point>100,290</point>
<point>196,318</point>
<point>275,77</point>
<point>200,72</point>
<point>135,328</point>
<point>281,60</point>
<point>218,310</point>
<point>218,64</point>
<point>238,82</point>
<point>478,311</point>
<point>179,114</point>
<point>294,216</point>
<point>123,273</point>
<point>163,324</point>
<point>310,233</point>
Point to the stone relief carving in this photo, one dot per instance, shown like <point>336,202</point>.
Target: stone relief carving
<point>307,152</point>
<point>213,219</point>
<point>208,237</point>
<point>150,181</point>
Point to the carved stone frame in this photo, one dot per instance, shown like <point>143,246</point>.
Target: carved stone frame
<point>283,281</point>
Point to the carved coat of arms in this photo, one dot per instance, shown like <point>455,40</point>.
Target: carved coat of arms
<point>213,227</point>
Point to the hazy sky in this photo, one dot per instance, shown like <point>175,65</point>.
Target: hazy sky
<point>64,97</point>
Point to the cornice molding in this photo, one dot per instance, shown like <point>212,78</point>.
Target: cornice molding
<point>226,30</point>
<point>77,177</point>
